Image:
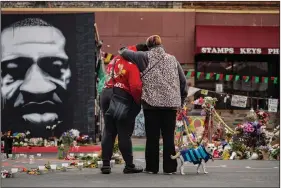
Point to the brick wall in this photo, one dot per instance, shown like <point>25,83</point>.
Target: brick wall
<point>234,5</point>
<point>269,5</point>
<point>87,4</point>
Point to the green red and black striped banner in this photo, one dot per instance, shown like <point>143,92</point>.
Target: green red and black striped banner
<point>230,77</point>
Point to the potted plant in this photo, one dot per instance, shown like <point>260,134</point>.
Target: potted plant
<point>265,152</point>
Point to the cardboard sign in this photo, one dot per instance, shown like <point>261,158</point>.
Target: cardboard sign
<point>204,92</point>
<point>272,105</point>
<point>219,88</point>
<point>239,101</point>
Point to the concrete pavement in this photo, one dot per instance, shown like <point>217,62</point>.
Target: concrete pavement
<point>244,173</point>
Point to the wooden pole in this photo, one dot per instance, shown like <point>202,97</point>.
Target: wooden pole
<point>210,126</point>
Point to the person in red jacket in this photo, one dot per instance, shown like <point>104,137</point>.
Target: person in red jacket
<point>128,84</point>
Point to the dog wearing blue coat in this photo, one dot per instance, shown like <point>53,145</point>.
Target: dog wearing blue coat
<point>198,156</point>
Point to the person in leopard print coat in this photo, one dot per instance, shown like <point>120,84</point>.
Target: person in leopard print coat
<point>163,93</point>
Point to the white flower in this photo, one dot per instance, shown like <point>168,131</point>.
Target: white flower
<point>48,127</point>
<point>179,123</point>
<point>21,143</point>
<point>26,140</point>
<point>25,144</point>
<point>27,133</point>
<point>54,126</point>
<point>16,143</point>
<point>75,132</point>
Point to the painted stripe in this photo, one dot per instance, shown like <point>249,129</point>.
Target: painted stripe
<point>198,154</point>
<point>195,155</point>
<point>187,156</point>
<point>192,156</point>
<point>203,154</point>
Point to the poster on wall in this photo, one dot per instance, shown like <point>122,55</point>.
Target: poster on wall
<point>272,105</point>
<point>48,72</point>
<point>219,88</point>
<point>239,101</point>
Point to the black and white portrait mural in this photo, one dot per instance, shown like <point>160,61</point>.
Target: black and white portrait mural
<point>48,65</point>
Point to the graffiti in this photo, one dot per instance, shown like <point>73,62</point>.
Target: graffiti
<point>40,58</point>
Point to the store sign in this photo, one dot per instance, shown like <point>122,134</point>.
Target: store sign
<point>250,51</point>
<point>210,50</point>
<point>273,50</point>
<point>213,50</point>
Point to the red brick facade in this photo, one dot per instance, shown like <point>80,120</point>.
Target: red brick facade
<point>177,29</point>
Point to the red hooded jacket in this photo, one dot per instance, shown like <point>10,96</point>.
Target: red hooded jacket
<point>127,76</point>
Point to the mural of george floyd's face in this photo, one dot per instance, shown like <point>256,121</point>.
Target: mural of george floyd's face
<point>35,70</point>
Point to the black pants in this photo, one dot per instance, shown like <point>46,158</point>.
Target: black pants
<point>157,120</point>
<point>8,151</point>
<point>112,128</point>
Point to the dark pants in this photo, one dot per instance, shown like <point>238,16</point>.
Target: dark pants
<point>8,151</point>
<point>157,120</point>
<point>112,128</point>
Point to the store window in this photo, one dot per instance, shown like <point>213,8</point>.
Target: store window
<point>243,65</point>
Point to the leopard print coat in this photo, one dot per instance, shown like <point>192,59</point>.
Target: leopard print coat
<point>161,84</point>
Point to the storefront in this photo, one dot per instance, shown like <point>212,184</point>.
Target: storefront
<point>244,59</point>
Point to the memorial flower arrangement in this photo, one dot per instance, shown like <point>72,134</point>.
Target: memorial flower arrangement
<point>66,140</point>
<point>262,116</point>
<point>253,135</point>
<point>36,142</point>
<point>19,139</point>
<point>83,139</point>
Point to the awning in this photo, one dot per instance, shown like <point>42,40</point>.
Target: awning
<point>237,40</point>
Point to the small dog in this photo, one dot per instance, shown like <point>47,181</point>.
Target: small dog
<point>199,156</point>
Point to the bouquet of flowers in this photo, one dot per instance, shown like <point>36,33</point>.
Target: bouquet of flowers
<point>66,140</point>
<point>19,137</point>
<point>83,139</point>
<point>36,142</point>
<point>262,116</point>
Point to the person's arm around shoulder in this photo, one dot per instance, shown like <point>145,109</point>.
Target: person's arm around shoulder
<point>183,85</point>
<point>139,58</point>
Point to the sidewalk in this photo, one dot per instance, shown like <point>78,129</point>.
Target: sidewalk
<point>138,144</point>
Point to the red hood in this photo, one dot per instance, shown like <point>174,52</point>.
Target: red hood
<point>133,48</point>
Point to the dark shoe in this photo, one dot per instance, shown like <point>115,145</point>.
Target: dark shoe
<point>105,170</point>
<point>132,169</point>
<point>150,172</point>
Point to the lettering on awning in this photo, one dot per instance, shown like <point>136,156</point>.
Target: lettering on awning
<point>250,50</point>
<point>217,50</point>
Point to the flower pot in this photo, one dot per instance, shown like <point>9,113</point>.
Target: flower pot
<point>265,155</point>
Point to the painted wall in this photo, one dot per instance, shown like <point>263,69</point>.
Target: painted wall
<point>177,29</point>
<point>47,72</point>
